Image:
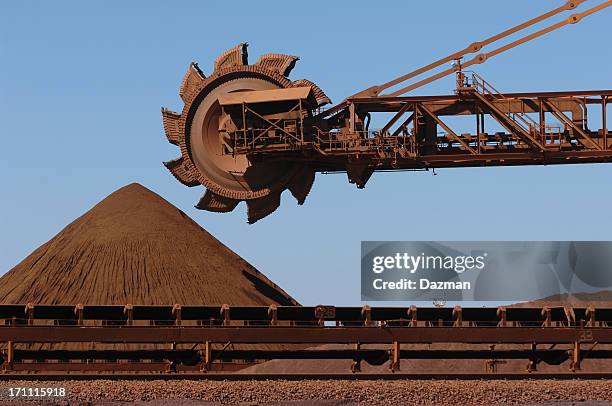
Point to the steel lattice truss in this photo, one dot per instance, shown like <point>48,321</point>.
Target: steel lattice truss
<point>248,133</point>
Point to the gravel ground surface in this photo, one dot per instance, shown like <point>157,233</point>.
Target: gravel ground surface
<point>106,392</point>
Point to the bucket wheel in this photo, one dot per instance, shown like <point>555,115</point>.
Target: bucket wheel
<point>230,179</point>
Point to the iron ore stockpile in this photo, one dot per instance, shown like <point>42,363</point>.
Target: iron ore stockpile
<point>135,247</point>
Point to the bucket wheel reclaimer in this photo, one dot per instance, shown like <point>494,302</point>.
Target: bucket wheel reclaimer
<point>230,179</point>
<point>248,133</point>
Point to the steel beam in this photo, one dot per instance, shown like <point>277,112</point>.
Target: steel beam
<point>509,124</point>
<point>564,119</point>
<point>394,119</point>
<point>304,335</point>
<point>372,356</point>
<point>604,114</point>
<point>447,129</point>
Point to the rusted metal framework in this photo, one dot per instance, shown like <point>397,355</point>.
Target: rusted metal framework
<point>248,133</point>
<point>202,338</point>
<point>533,128</point>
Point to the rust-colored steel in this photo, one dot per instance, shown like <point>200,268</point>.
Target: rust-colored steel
<point>304,335</point>
<point>200,131</point>
<point>182,337</point>
<point>32,314</point>
<point>247,132</point>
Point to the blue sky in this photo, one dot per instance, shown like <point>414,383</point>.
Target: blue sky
<point>82,83</point>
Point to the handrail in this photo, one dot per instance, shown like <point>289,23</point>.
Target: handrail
<point>488,89</point>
